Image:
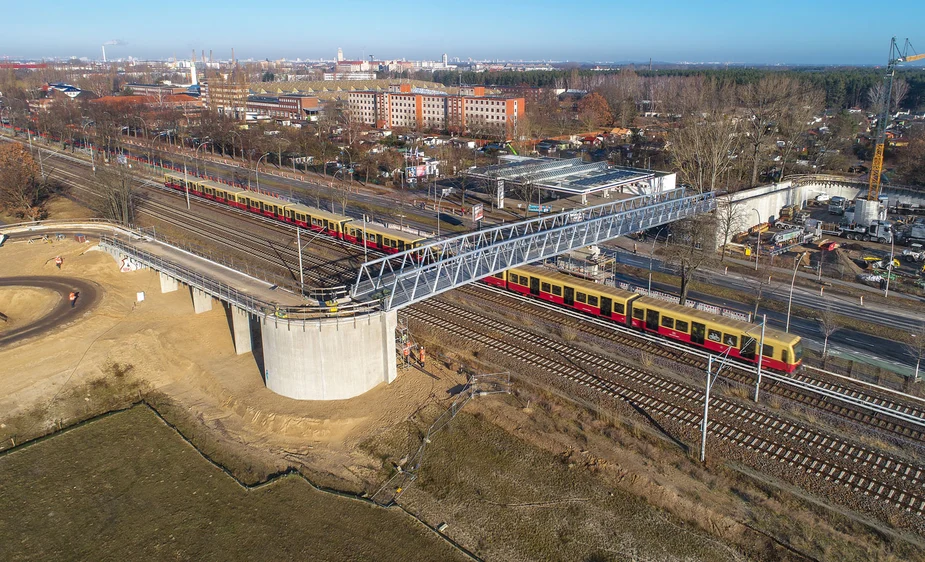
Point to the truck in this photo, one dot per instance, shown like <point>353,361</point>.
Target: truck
<point>878,231</point>
<point>837,205</point>
<point>911,234</point>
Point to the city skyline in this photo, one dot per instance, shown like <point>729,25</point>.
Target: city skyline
<point>789,32</point>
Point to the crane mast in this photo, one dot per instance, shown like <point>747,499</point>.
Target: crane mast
<point>896,56</point>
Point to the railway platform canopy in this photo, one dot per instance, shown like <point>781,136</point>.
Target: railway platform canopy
<point>571,176</point>
<point>443,264</point>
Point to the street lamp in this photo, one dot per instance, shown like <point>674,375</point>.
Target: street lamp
<point>889,270</point>
<point>758,247</point>
<point>652,253</point>
<point>439,202</point>
<point>186,175</point>
<point>257,170</point>
<point>796,266</point>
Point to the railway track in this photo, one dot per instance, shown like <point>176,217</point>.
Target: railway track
<point>316,268</point>
<point>864,406</point>
<point>822,457</point>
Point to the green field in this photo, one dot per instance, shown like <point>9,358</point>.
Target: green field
<point>128,487</point>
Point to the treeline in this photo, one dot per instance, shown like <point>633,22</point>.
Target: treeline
<point>844,87</point>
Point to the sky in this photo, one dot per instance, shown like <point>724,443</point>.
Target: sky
<point>748,31</point>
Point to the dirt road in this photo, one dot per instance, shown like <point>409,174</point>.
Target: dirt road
<point>89,295</point>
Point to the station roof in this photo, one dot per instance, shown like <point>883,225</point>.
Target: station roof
<point>566,175</point>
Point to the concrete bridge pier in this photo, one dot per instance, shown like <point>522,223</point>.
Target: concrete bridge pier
<point>240,322</point>
<point>330,358</point>
<point>168,284</point>
<point>202,301</point>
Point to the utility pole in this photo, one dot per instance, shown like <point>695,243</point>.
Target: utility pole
<point>706,410</point>
<point>764,323</point>
<point>298,237</point>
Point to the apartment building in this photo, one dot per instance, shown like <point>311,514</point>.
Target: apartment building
<point>417,108</point>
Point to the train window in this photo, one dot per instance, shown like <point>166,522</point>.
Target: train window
<point>638,313</point>
<point>785,356</point>
<point>797,351</point>
<point>581,297</point>
<point>592,300</point>
<point>619,308</point>
<point>730,339</point>
<point>557,290</point>
<point>681,326</point>
<point>499,275</point>
<point>668,322</point>
<point>714,335</point>
<point>545,287</point>
<point>748,347</point>
<point>768,351</point>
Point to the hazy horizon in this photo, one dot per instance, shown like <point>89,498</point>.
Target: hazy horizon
<point>787,33</point>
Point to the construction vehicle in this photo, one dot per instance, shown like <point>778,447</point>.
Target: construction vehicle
<point>877,231</point>
<point>911,234</point>
<point>914,255</point>
<point>837,205</point>
<point>897,56</point>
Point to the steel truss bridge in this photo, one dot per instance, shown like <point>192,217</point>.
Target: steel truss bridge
<point>402,279</point>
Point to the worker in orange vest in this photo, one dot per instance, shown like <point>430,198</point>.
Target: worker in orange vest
<point>407,352</point>
<point>73,298</point>
<point>422,355</point>
<point>58,261</point>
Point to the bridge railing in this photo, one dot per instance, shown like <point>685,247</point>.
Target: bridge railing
<point>402,279</point>
<point>229,294</point>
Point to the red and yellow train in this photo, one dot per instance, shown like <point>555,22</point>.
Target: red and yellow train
<point>782,351</point>
<point>377,237</point>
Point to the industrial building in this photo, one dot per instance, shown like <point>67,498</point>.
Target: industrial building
<point>571,176</point>
<point>417,108</point>
<point>291,107</point>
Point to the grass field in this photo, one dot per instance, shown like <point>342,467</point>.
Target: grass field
<point>127,487</point>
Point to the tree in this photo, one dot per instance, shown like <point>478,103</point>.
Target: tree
<point>115,198</point>
<point>766,101</point>
<point>828,324</point>
<point>911,160</point>
<point>705,145</point>
<point>594,111</point>
<point>21,192</point>
<point>691,246</point>
<point>730,218</point>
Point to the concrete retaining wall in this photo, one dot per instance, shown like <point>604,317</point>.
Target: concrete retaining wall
<point>329,359</point>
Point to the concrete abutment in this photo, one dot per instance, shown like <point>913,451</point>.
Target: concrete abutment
<point>330,358</point>
<point>202,301</point>
<point>168,284</point>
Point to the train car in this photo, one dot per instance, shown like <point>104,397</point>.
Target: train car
<point>261,204</point>
<point>580,294</point>
<point>782,351</point>
<point>380,238</point>
<point>317,220</point>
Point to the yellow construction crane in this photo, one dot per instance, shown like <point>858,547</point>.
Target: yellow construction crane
<point>897,56</point>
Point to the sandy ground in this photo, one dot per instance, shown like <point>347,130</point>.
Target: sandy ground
<point>23,305</point>
<point>191,358</point>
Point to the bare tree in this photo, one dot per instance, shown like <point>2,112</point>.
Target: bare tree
<point>899,92</point>
<point>705,144</point>
<point>116,200</point>
<point>794,123</point>
<point>691,248</point>
<point>829,324</point>
<point>21,192</point>
<point>730,219</point>
<point>766,101</point>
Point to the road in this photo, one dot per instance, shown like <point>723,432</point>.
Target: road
<point>61,313</point>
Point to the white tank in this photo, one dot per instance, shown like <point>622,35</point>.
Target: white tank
<point>866,212</point>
